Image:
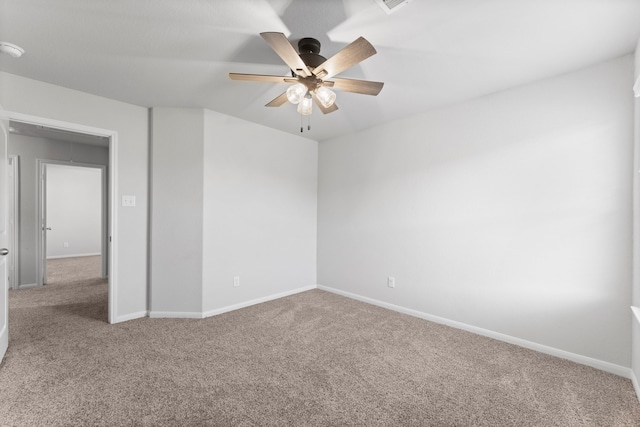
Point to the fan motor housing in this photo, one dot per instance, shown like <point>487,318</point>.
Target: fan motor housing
<point>309,49</point>
<point>308,45</point>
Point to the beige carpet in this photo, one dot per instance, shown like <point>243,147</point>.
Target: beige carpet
<point>312,359</point>
<point>67,270</point>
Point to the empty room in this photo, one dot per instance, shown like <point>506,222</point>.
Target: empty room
<point>310,213</point>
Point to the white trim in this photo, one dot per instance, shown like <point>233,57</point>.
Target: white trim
<point>4,340</point>
<point>14,223</point>
<point>112,231</point>
<point>73,256</point>
<point>216,311</point>
<point>4,300</point>
<point>577,358</point>
<point>58,124</point>
<point>130,316</point>
<point>636,312</point>
<point>41,234</point>
<point>636,87</point>
<point>238,306</point>
<point>636,386</point>
<point>176,315</point>
<point>28,286</point>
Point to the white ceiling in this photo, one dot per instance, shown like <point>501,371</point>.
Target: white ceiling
<point>430,52</point>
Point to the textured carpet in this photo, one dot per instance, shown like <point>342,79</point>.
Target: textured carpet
<point>312,359</point>
<point>68,270</point>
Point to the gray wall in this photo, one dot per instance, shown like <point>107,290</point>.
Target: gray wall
<point>74,210</point>
<point>229,198</point>
<point>260,211</point>
<point>26,96</point>
<point>29,149</point>
<point>511,213</point>
<point>176,210</point>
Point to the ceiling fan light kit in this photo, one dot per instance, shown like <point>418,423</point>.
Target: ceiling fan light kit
<point>326,97</point>
<point>296,92</point>
<point>312,75</point>
<point>305,107</point>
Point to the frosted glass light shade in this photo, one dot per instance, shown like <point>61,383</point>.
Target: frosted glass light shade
<point>305,106</point>
<point>296,93</point>
<point>325,96</point>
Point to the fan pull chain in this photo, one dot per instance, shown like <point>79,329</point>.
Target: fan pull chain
<point>302,123</point>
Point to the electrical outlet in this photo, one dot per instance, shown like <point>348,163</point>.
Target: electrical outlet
<point>391,282</point>
<point>65,245</point>
<point>236,281</point>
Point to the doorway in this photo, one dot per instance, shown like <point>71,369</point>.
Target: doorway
<point>79,135</point>
<point>72,214</point>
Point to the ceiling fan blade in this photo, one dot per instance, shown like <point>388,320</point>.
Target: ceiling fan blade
<point>324,110</point>
<point>351,55</point>
<point>281,45</point>
<point>364,87</point>
<point>258,78</point>
<point>278,100</point>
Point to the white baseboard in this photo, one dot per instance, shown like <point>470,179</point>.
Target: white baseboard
<point>130,316</point>
<point>583,360</point>
<point>176,315</point>
<point>73,256</point>
<point>636,386</point>
<point>238,306</point>
<point>4,341</point>
<point>216,311</point>
<point>28,286</point>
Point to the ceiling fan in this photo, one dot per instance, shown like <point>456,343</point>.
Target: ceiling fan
<point>312,75</point>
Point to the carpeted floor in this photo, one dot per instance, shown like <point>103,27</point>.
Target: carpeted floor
<point>312,359</point>
<point>67,270</point>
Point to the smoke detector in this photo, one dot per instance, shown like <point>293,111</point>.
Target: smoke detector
<point>391,6</point>
<point>11,49</point>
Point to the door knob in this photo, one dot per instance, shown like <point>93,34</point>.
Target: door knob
<point>48,228</point>
<point>4,251</point>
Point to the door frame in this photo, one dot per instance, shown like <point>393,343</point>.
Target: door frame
<point>41,211</point>
<point>4,301</point>
<point>14,221</point>
<point>112,220</point>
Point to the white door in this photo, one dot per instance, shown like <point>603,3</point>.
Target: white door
<point>4,238</point>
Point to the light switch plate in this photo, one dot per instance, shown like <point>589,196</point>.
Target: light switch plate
<point>128,201</point>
